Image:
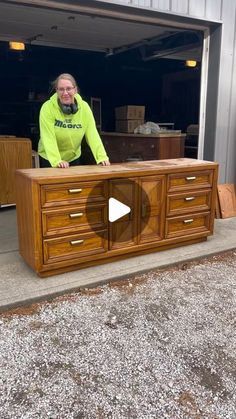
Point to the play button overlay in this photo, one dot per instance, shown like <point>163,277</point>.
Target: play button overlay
<point>120,211</point>
<point>117,210</point>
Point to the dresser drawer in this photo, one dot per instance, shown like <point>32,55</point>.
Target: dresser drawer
<point>191,224</point>
<point>190,180</point>
<point>181,203</point>
<point>74,246</point>
<point>69,220</point>
<point>72,193</point>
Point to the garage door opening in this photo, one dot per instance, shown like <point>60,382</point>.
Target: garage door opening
<point>168,89</point>
<point>118,62</point>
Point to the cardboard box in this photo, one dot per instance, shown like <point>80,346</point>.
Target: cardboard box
<point>130,112</point>
<point>128,125</point>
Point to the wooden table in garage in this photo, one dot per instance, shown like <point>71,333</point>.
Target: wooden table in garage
<point>122,147</point>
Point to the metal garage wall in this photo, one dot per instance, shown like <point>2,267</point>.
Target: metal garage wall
<point>204,9</point>
<point>225,145</point>
<point>220,133</point>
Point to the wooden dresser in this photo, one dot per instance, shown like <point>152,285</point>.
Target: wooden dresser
<point>15,153</point>
<point>62,214</point>
<point>121,147</point>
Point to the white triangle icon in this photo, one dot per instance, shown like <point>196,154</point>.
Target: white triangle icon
<point>117,209</point>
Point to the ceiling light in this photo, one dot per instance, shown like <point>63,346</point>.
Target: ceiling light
<point>190,63</point>
<point>18,46</point>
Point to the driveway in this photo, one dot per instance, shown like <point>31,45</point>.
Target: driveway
<point>155,345</point>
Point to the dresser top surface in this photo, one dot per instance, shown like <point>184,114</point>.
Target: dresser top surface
<point>116,169</point>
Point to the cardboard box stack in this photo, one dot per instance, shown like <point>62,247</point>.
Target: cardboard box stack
<point>129,117</point>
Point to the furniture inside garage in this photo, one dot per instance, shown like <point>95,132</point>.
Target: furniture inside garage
<point>15,153</point>
<point>130,147</point>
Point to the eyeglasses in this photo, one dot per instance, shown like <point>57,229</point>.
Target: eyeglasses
<point>65,89</point>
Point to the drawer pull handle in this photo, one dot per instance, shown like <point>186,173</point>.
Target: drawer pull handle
<point>190,178</point>
<point>189,198</point>
<point>75,190</point>
<point>188,221</point>
<point>76,215</point>
<point>73,242</point>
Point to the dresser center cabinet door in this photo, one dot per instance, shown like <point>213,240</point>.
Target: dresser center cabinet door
<point>145,222</point>
<point>151,208</point>
<point>123,232</point>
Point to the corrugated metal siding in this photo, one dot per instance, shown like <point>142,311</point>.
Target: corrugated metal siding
<point>141,3</point>
<point>180,6</point>
<point>230,174</point>
<point>208,9</point>
<point>213,9</point>
<point>197,8</point>
<point>226,115</point>
<point>163,5</point>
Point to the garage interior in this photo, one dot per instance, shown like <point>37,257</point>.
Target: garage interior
<point>120,62</point>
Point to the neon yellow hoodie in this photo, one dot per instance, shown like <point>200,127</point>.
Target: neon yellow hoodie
<point>61,135</point>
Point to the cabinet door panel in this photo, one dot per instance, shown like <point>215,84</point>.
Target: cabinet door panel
<point>123,232</point>
<point>152,208</point>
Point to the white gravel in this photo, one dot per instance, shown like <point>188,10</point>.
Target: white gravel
<point>161,345</point>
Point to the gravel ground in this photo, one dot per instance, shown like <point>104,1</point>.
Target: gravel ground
<point>158,345</point>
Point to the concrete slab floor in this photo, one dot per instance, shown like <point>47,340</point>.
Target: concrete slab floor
<point>20,285</point>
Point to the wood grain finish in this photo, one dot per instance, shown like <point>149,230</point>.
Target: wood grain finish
<point>73,247</point>
<point>123,232</point>
<point>71,193</point>
<point>63,213</point>
<point>181,226</point>
<point>152,208</point>
<point>72,219</point>
<point>196,200</point>
<point>227,200</point>
<point>15,153</point>
<point>184,181</point>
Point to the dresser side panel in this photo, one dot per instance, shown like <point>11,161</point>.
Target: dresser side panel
<point>28,209</point>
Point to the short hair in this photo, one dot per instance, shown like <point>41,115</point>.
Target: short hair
<point>64,76</point>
